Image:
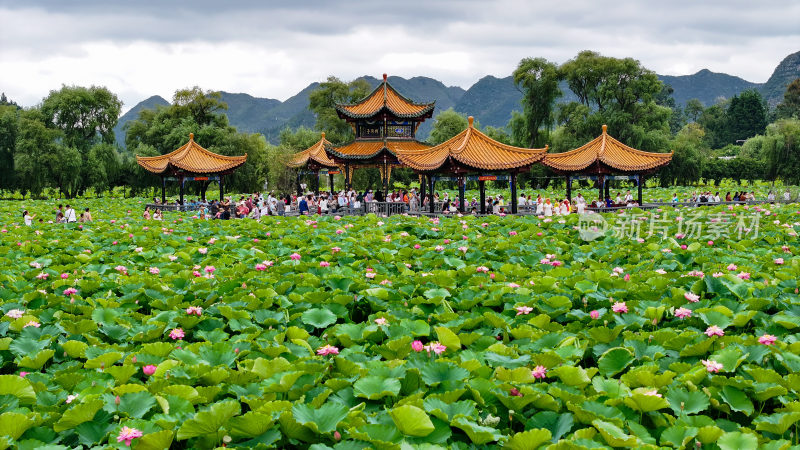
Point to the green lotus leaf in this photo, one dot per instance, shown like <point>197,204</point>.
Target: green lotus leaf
<point>639,400</point>
<point>39,360</point>
<point>136,404</point>
<point>321,420</point>
<point>411,421</point>
<point>615,436</point>
<point>682,401</point>
<point>528,440</point>
<point>448,338</point>
<point>14,424</point>
<point>448,411</point>
<point>678,436</point>
<point>737,400</point>
<point>614,361</point>
<point>319,318</point>
<point>250,424</point>
<point>78,414</point>
<point>209,421</point>
<point>478,434</point>
<point>736,440</point>
<point>375,387</point>
<point>572,376</point>
<point>18,387</point>
<point>155,441</point>
<point>776,423</point>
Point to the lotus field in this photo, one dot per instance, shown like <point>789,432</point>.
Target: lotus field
<point>402,332</point>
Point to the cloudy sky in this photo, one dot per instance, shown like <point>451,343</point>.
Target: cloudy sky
<point>275,48</point>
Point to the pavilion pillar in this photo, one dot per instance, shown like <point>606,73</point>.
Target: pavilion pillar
<point>422,190</point>
<point>569,189</point>
<point>316,185</point>
<point>639,181</point>
<point>431,184</point>
<point>221,187</point>
<point>163,190</point>
<point>513,182</point>
<point>203,188</point>
<point>600,182</point>
<point>607,185</point>
<point>461,192</point>
<point>330,181</point>
<point>299,191</point>
<point>482,185</point>
<point>181,201</point>
<point>385,180</point>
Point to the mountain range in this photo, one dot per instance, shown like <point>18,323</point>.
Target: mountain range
<point>491,100</point>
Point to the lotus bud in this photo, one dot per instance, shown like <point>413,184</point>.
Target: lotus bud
<point>682,406</point>
<point>65,354</point>
<point>116,400</point>
<point>116,417</point>
<point>133,360</point>
<point>337,436</point>
<point>236,350</point>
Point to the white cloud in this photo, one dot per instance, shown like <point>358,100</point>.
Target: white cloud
<point>144,48</point>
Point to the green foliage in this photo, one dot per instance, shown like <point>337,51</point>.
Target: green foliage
<point>323,100</point>
<point>447,124</point>
<point>781,148</point>
<point>746,115</point>
<point>538,80</point>
<point>85,116</point>
<point>790,106</point>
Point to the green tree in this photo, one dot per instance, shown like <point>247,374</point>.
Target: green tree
<point>85,116</point>
<point>104,162</point>
<point>9,126</point>
<point>538,79</point>
<point>204,107</point>
<point>687,160</point>
<point>34,152</point>
<point>746,116</point>
<point>782,151</point>
<point>714,121</point>
<point>790,107</point>
<point>694,109</point>
<point>447,124</point>
<point>323,100</point>
<point>298,139</point>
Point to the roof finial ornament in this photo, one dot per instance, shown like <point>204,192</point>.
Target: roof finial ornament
<point>470,119</point>
<point>323,135</point>
<point>191,136</point>
<point>605,128</point>
<point>384,78</point>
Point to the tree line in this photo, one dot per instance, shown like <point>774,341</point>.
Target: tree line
<point>66,144</point>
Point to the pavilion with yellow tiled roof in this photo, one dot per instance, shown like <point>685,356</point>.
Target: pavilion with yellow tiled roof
<point>602,157</point>
<point>191,162</point>
<point>314,159</point>
<point>471,151</point>
<point>384,122</point>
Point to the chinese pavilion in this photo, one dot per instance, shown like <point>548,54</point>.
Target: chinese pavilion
<point>385,123</point>
<point>314,159</point>
<point>191,162</point>
<point>602,157</point>
<point>472,152</point>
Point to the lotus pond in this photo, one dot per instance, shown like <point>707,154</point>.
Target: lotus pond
<point>401,332</point>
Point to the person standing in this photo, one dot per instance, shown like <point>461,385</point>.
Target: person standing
<point>302,207</point>
<point>69,215</point>
<point>28,218</point>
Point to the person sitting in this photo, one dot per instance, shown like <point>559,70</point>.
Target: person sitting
<point>157,215</point>
<point>87,216</point>
<point>146,213</point>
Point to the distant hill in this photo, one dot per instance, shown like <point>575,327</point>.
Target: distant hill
<point>133,113</point>
<point>491,100</point>
<point>706,86</point>
<point>786,72</point>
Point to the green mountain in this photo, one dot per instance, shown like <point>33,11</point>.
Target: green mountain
<point>491,100</point>
<point>133,113</point>
<point>786,72</point>
<point>706,86</point>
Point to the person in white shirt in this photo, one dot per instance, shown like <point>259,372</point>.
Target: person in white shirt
<point>787,195</point>
<point>548,208</point>
<point>323,205</point>
<point>628,197</point>
<point>69,215</point>
<point>618,200</point>
<point>28,218</point>
<point>539,206</point>
<point>522,200</point>
<point>565,208</point>
<point>770,197</point>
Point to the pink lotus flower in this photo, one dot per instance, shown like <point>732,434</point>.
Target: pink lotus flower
<point>463,249</point>
<point>684,247</point>
<point>594,314</point>
<point>491,275</point>
<point>732,267</point>
<point>439,248</point>
<point>43,276</point>
<point>149,369</point>
<point>64,276</point>
<point>653,393</point>
<point>114,243</point>
<point>210,269</point>
<point>618,270</point>
<point>173,258</point>
<point>324,264</point>
<point>128,434</point>
<point>539,372</point>
<point>23,374</point>
<point>767,339</point>
<point>744,275</point>
<point>295,256</point>
<point>370,275</point>
<point>717,274</point>
<point>188,239</point>
<point>692,297</point>
<point>211,241</point>
<point>138,249</point>
<point>627,277</point>
<point>556,263</point>
<point>514,392</point>
<point>15,313</point>
<point>683,313</point>
<point>70,291</point>
<point>194,310</point>
<point>36,265</point>
<point>711,365</point>
<point>544,261</point>
<point>197,274</point>
<point>268,263</point>
<point>202,250</point>
<point>436,347</point>
<point>710,243</point>
<point>32,323</point>
<point>512,233</point>
<point>340,231</point>
<point>177,333</point>
<point>447,241</point>
<point>71,398</point>
<point>695,273</point>
<point>779,261</point>
<point>327,350</point>
<point>385,282</point>
<point>154,270</point>
<point>261,267</point>
<point>661,271</point>
<point>619,307</point>
<point>381,321</point>
<point>714,330</point>
<point>335,250</point>
<point>523,310</point>
<point>483,269</point>
<point>416,246</point>
<point>417,346</point>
